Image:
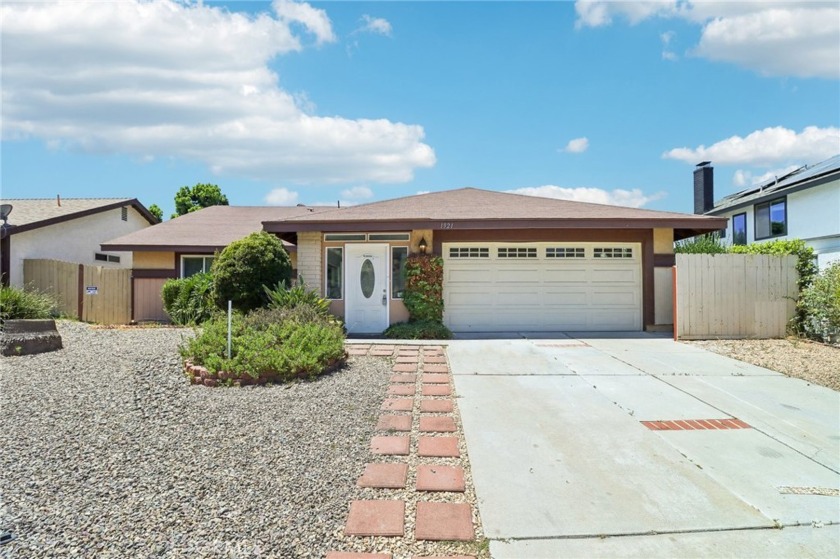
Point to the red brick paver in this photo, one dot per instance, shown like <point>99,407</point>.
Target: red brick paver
<point>412,359</point>
<point>434,368</point>
<point>437,424</point>
<point>435,378</point>
<point>442,447</point>
<point>443,557</point>
<point>440,478</point>
<point>436,390</point>
<point>398,404</point>
<point>444,521</point>
<point>695,424</point>
<point>404,368</point>
<point>376,518</point>
<point>401,390</point>
<point>395,423</point>
<point>386,476</point>
<point>404,378</point>
<point>436,406</point>
<point>434,358</point>
<point>396,446</point>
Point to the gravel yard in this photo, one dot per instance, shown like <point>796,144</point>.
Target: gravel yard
<point>109,452</point>
<point>813,362</point>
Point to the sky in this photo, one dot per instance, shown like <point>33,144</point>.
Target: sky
<point>284,102</point>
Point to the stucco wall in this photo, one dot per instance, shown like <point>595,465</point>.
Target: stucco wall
<point>148,260</point>
<point>663,241</point>
<point>74,241</point>
<point>663,293</point>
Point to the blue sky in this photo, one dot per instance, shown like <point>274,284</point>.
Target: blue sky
<point>283,103</point>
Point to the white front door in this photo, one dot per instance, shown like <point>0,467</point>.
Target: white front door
<point>366,304</point>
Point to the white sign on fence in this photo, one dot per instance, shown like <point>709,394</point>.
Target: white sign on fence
<point>91,290</point>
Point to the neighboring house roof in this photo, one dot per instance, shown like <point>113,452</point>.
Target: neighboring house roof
<point>472,208</point>
<point>206,230</point>
<point>34,213</point>
<point>808,176</point>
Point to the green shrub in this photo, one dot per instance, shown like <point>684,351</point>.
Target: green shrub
<point>710,243</point>
<point>820,305</point>
<point>418,330</point>
<point>424,287</point>
<point>281,297</point>
<point>277,344</point>
<point>245,266</point>
<point>17,303</point>
<point>189,300</point>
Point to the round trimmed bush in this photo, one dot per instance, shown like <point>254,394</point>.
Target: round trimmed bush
<point>245,266</point>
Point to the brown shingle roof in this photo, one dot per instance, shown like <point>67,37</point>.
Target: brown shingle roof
<point>208,229</point>
<point>486,209</point>
<point>31,213</point>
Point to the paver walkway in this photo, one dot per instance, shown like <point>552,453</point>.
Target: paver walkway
<point>416,473</point>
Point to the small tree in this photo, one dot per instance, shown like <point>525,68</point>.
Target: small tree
<point>245,266</point>
<point>820,304</point>
<point>155,210</point>
<point>199,196</point>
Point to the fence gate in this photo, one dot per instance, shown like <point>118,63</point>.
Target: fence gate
<point>734,295</point>
<point>90,293</point>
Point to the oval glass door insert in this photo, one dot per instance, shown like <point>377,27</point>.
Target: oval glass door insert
<point>367,278</point>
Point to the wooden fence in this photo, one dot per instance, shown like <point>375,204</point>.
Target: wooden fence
<point>734,295</point>
<point>90,293</point>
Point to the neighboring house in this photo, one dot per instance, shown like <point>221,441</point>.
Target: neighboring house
<point>68,229</point>
<point>804,204</point>
<point>186,245</point>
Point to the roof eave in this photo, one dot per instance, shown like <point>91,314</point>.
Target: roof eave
<point>134,202</point>
<point>704,223</point>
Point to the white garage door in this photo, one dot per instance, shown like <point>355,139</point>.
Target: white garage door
<point>492,287</point>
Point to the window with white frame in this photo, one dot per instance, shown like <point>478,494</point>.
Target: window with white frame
<point>334,280</point>
<point>195,264</point>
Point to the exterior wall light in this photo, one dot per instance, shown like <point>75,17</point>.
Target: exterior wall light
<point>422,246</point>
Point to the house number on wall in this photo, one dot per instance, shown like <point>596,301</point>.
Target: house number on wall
<point>446,225</point>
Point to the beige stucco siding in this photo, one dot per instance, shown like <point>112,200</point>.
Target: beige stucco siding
<point>148,260</point>
<point>663,294</point>
<point>663,241</point>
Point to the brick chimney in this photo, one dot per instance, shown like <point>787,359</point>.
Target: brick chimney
<point>704,187</point>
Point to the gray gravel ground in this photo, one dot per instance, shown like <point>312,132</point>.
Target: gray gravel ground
<point>107,451</point>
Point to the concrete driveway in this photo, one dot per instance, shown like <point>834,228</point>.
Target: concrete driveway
<point>636,446</point>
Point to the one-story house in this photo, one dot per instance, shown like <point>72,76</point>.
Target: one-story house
<point>186,245</point>
<point>802,204</point>
<point>511,262</point>
<point>68,229</point>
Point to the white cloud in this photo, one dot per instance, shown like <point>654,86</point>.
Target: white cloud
<point>634,198</point>
<point>596,13</point>
<point>666,39</point>
<point>376,25</point>
<point>770,146</point>
<point>313,19</point>
<point>578,145</point>
<point>357,193</point>
<point>281,197</point>
<point>776,39</point>
<point>743,178</point>
<point>191,81</point>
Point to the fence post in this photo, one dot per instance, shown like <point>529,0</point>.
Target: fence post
<point>81,304</point>
<point>674,299</point>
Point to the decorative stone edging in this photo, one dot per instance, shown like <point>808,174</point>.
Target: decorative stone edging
<point>199,374</point>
